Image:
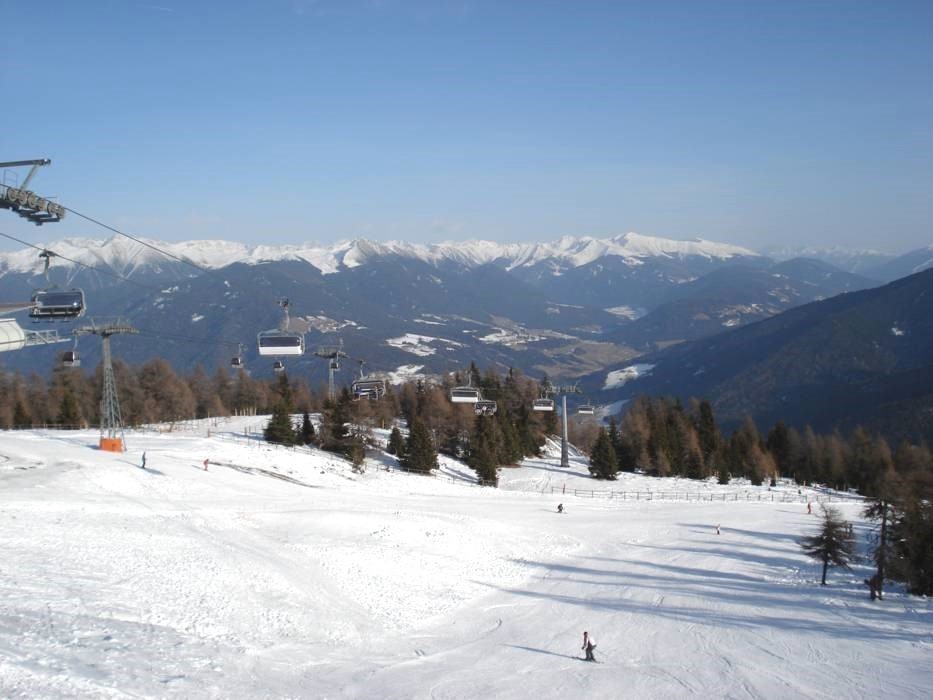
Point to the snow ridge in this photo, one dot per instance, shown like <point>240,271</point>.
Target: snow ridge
<point>124,255</point>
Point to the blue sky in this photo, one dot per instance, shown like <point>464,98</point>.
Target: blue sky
<point>282,121</point>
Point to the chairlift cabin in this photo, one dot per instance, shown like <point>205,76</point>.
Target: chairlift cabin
<point>464,394</point>
<point>484,408</point>
<point>70,359</point>
<point>237,360</point>
<point>586,409</point>
<point>56,304</point>
<point>277,342</point>
<point>368,388</point>
<point>543,405</point>
<point>278,366</point>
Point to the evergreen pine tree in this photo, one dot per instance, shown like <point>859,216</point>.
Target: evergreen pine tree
<point>531,440</point>
<point>603,461</point>
<point>68,414</point>
<point>279,429</point>
<point>778,444</point>
<point>707,432</point>
<point>307,430</point>
<point>693,463</point>
<point>355,451</point>
<point>912,538</point>
<point>481,456</point>
<point>630,449</point>
<point>614,434</point>
<point>420,455</point>
<point>335,430</point>
<point>832,545</point>
<point>510,449</point>
<point>396,444</point>
<point>723,476</point>
<point>21,417</point>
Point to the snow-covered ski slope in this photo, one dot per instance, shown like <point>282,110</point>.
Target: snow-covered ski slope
<point>283,574</point>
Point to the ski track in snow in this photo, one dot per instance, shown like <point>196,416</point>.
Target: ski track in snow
<point>179,582</point>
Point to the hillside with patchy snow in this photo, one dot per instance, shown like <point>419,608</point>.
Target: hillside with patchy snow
<point>280,573</point>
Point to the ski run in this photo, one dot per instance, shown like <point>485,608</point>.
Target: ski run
<point>281,573</point>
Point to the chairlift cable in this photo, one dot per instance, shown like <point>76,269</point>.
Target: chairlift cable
<point>283,302</point>
<point>188,339</point>
<point>76,262</point>
<point>141,242</point>
<point>138,240</point>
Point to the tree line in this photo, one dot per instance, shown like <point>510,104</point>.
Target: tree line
<point>661,437</point>
<point>435,424</point>
<point>154,392</point>
<point>657,436</point>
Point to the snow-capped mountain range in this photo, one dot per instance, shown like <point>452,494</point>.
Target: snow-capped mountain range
<point>567,307</point>
<point>848,259</point>
<point>124,255</point>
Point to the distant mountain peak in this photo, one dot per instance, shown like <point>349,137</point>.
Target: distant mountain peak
<point>124,255</point>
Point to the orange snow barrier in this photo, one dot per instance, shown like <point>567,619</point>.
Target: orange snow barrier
<point>111,444</point>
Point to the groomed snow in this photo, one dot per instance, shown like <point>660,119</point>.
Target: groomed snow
<point>619,377</point>
<point>279,573</point>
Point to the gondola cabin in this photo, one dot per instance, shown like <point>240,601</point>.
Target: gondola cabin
<point>280,343</point>
<point>586,409</point>
<point>484,408</point>
<point>464,394</point>
<point>236,361</point>
<point>70,359</point>
<point>52,305</point>
<point>278,366</point>
<point>543,405</point>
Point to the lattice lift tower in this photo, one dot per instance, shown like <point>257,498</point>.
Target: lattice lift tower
<point>112,438</point>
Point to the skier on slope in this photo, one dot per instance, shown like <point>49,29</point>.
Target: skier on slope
<point>560,507</point>
<point>588,646</point>
<point>144,460</point>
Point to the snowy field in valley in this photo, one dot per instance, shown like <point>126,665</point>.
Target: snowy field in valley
<point>280,573</point>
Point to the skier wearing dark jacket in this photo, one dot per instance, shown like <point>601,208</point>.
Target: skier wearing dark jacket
<point>588,646</point>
